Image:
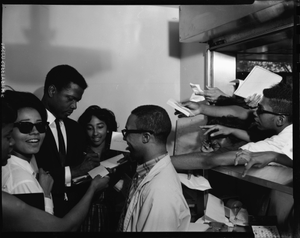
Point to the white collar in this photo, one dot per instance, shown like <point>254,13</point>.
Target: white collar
<point>51,118</point>
<point>24,164</point>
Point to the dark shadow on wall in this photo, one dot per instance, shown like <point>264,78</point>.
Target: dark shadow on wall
<point>174,44</point>
<point>32,61</point>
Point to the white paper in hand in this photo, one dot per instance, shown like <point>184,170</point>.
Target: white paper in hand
<point>198,183</point>
<point>100,170</point>
<point>112,162</point>
<point>117,142</point>
<point>196,97</point>
<point>178,106</point>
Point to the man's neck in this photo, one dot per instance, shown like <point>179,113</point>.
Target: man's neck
<point>280,129</point>
<point>152,154</point>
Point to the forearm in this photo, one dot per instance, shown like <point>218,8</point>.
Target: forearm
<point>241,134</point>
<point>219,111</point>
<point>191,161</point>
<point>78,213</point>
<point>283,159</point>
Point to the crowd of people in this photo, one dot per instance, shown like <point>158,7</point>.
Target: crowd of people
<point>43,151</point>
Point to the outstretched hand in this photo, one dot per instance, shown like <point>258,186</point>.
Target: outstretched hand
<point>99,183</point>
<point>212,94</point>
<point>195,107</point>
<point>91,161</point>
<point>216,130</point>
<point>253,100</point>
<point>254,159</point>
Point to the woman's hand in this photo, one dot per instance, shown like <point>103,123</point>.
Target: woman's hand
<point>99,183</point>
<point>46,181</point>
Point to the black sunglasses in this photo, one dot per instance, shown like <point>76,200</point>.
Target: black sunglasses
<point>125,132</point>
<point>259,111</point>
<point>26,127</point>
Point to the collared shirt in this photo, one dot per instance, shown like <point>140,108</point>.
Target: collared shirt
<point>52,125</point>
<point>281,143</point>
<point>141,172</point>
<point>19,176</point>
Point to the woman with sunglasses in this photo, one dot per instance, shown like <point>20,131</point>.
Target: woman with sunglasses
<point>21,174</point>
<point>99,124</point>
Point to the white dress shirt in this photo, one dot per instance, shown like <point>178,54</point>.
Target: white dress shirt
<point>19,176</point>
<point>52,125</point>
<point>281,143</point>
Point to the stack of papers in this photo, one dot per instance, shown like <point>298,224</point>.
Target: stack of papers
<point>179,107</point>
<point>256,81</point>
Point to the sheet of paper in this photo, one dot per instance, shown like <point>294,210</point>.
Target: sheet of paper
<point>256,81</point>
<point>100,170</point>
<point>117,142</point>
<point>198,183</point>
<point>178,106</point>
<point>112,162</point>
<point>215,209</point>
<point>198,227</point>
<point>196,97</point>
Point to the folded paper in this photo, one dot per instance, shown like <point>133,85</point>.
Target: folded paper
<point>198,183</point>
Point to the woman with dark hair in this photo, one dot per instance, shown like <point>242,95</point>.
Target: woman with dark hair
<point>99,124</point>
<point>21,174</point>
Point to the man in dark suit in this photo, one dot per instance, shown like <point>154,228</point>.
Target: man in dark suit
<point>62,152</point>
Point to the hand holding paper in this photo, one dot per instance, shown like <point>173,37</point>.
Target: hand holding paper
<point>179,107</point>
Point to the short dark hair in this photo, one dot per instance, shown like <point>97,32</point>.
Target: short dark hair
<point>61,76</point>
<point>281,98</point>
<point>154,118</point>
<point>19,100</point>
<point>8,115</point>
<point>102,114</point>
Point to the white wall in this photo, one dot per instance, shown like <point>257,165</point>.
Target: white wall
<point>192,68</point>
<point>129,55</point>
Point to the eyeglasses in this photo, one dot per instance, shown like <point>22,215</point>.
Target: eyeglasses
<point>26,127</point>
<point>125,132</point>
<point>259,110</point>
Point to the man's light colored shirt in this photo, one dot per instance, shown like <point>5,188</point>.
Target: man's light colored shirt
<point>281,143</point>
<point>19,176</point>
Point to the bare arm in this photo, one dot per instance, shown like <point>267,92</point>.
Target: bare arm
<point>223,130</point>
<point>200,160</point>
<point>261,159</point>
<point>18,216</point>
<point>217,111</point>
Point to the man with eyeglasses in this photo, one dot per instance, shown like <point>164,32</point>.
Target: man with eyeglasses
<point>274,113</point>
<point>155,201</point>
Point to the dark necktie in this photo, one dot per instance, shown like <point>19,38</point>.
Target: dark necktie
<point>61,143</point>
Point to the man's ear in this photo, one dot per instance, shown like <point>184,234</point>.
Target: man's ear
<point>281,120</point>
<point>51,91</point>
<point>146,138</point>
